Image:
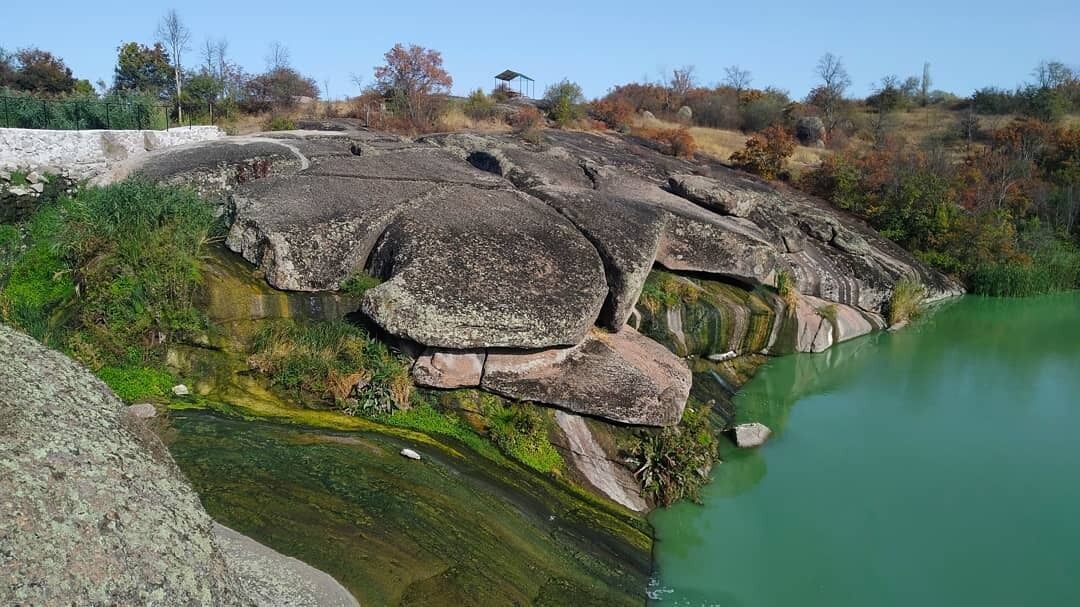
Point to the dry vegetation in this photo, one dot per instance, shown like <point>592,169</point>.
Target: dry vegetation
<point>721,143</point>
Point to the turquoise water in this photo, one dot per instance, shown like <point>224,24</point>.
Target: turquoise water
<point>935,466</point>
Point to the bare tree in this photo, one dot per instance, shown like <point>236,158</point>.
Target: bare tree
<point>737,78</point>
<point>277,56</point>
<point>830,95</point>
<point>682,80</point>
<point>208,51</point>
<point>176,36</point>
<point>1052,74</point>
<point>833,74</point>
<point>924,85</point>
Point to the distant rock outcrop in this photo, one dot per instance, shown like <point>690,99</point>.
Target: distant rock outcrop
<point>504,259</point>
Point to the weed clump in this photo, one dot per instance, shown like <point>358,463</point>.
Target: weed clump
<point>333,362</point>
<point>906,300</point>
<point>674,463</point>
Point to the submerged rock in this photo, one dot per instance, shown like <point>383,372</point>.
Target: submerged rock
<point>409,453</point>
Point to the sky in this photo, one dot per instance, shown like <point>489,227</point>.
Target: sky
<point>596,43</point>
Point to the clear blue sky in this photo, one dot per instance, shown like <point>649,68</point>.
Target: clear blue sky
<point>597,43</point>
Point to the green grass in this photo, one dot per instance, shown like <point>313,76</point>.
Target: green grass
<point>520,430</point>
<point>664,290</point>
<point>332,361</point>
<point>111,274</point>
<point>424,417</point>
<point>906,300</point>
<point>786,287</point>
<point>38,280</point>
<point>281,123</point>
<point>359,283</point>
<point>137,383</point>
<point>1056,268</point>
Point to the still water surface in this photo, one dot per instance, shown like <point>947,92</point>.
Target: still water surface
<point>939,465</point>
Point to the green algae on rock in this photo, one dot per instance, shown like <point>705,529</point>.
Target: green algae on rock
<point>443,531</point>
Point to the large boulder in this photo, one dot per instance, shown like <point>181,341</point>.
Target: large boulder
<point>810,131</point>
<point>473,268</point>
<point>93,511</point>
<point>622,377</point>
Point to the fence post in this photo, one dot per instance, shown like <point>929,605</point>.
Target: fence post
<point>45,111</point>
<point>78,117</point>
<point>138,116</point>
<point>7,113</point>
<point>108,121</point>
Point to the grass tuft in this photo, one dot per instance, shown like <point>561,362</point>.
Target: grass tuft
<point>906,301</point>
<point>335,362</point>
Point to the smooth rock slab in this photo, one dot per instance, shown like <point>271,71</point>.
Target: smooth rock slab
<point>623,377</point>
<point>449,368</point>
<point>751,435</point>
<point>472,268</point>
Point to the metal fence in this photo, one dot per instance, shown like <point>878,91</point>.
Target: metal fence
<point>79,114</point>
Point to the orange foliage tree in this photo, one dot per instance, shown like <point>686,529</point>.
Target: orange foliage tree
<point>411,80</point>
<point>766,152</point>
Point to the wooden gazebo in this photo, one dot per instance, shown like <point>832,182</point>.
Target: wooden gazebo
<point>526,87</point>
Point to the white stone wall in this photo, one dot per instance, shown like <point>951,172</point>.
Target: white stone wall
<point>85,154</point>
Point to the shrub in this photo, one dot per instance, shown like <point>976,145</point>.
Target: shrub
<point>1054,269</point>
<point>616,113</point>
<point>281,123</point>
<point>765,153</point>
<point>335,362</point>
<point>528,122</point>
<point>479,106</point>
<point>673,142</point>
<point>565,101</point>
<point>673,463</point>
<point>906,300</point>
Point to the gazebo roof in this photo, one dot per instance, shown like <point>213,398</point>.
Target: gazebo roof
<point>509,75</point>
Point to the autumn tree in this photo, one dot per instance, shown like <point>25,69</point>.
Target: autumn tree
<point>682,82</point>
<point>410,80</point>
<point>142,68</point>
<point>176,36</point>
<point>766,152</point>
<point>32,69</point>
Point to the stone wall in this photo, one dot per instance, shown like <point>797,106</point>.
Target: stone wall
<point>85,154</point>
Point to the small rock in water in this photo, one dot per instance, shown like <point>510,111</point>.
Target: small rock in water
<point>142,410</point>
<point>751,435</point>
<point>719,358</point>
<point>180,390</point>
<point>409,453</point>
